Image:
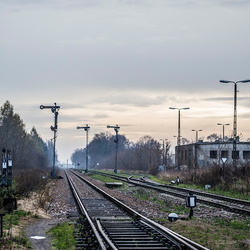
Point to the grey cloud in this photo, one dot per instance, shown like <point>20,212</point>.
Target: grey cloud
<point>85,117</point>
<point>100,116</point>
<point>244,115</point>
<point>134,100</point>
<point>17,5</point>
<point>232,2</point>
<point>243,100</point>
<point>217,99</point>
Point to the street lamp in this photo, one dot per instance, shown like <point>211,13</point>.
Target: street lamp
<point>54,109</point>
<point>86,128</point>
<point>195,152</point>
<point>196,132</point>
<point>179,131</point>
<point>163,150</point>
<point>179,124</point>
<point>175,136</point>
<point>235,115</point>
<point>223,129</point>
<point>116,128</point>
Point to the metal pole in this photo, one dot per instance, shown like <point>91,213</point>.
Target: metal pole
<point>179,128</point>
<point>87,151</point>
<point>179,135</point>
<point>235,116</point>
<point>223,132</point>
<point>54,109</point>
<point>54,153</point>
<point>163,156</point>
<point>1,225</point>
<point>163,152</point>
<point>116,150</point>
<point>235,125</point>
<point>196,134</point>
<point>223,129</point>
<point>54,149</point>
<point>116,128</point>
<point>179,139</point>
<point>86,128</point>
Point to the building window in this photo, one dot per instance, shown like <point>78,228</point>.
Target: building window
<point>246,155</point>
<point>235,154</point>
<point>224,154</point>
<point>213,154</point>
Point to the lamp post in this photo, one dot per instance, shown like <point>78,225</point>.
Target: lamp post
<point>223,129</point>
<point>86,128</point>
<point>163,150</point>
<point>54,109</point>
<point>179,133</point>
<point>235,115</point>
<point>196,132</point>
<point>195,153</point>
<point>116,128</point>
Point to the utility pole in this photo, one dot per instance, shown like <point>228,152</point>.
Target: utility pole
<point>235,116</point>
<point>179,134</point>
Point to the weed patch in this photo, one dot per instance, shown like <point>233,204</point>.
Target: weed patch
<point>62,236</point>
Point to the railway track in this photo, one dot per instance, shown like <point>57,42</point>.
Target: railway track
<point>113,225</point>
<point>226,203</point>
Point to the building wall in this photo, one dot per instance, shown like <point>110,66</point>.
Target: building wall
<point>205,154</point>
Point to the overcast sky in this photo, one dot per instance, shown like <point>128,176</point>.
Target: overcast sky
<point>125,62</point>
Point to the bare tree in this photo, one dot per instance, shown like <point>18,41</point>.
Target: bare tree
<point>213,137</point>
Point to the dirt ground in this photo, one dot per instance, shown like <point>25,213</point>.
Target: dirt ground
<point>36,232</point>
<point>36,229</point>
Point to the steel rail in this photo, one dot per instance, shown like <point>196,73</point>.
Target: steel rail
<point>211,203</point>
<point>104,235</point>
<point>187,243</point>
<point>161,188</point>
<point>84,211</point>
<point>201,193</point>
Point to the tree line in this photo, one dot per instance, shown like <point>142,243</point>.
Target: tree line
<point>29,151</point>
<point>147,154</point>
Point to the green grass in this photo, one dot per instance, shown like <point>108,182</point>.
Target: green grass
<point>213,233</point>
<point>103,178</point>
<point>14,218</point>
<point>109,179</point>
<point>166,206</point>
<point>232,193</point>
<point>15,243</point>
<point>62,236</point>
<point>10,220</point>
<point>216,233</point>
